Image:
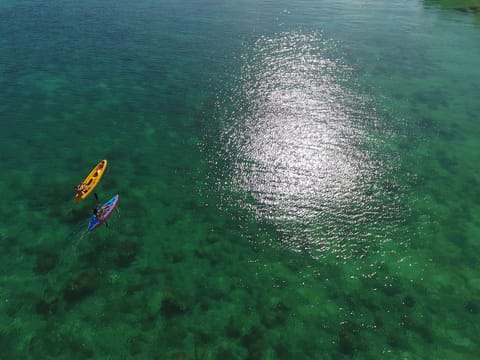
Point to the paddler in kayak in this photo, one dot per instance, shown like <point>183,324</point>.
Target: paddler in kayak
<point>80,189</point>
<point>86,186</point>
<point>99,213</point>
<point>96,212</point>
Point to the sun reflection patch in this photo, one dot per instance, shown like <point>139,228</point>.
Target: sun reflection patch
<point>301,143</point>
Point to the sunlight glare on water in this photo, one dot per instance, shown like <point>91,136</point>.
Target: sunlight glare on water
<point>304,145</point>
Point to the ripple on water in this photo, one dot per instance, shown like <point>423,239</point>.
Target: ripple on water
<point>305,147</point>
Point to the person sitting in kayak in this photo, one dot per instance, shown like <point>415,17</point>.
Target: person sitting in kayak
<point>80,189</point>
<point>98,213</point>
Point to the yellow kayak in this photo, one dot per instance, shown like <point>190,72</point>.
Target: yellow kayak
<point>83,189</point>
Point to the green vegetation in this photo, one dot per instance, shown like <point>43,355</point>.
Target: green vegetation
<point>461,5</point>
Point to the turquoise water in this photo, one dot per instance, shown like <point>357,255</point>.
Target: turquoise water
<point>297,180</point>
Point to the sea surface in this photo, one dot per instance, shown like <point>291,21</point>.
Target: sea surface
<point>297,179</point>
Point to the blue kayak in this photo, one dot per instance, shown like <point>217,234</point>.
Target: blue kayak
<point>103,213</point>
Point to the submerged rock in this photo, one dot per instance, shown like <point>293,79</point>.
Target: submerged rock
<point>255,344</point>
<point>172,305</point>
<point>408,301</point>
<point>472,307</point>
<point>350,339</point>
<point>396,340</point>
<point>378,322</point>
<point>47,306</point>
<point>82,284</point>
<point>126,253</point>
<point>45,262</point>
<point>179,356</point>
<point>214,237</point>
<point>275,316</point>
<point>345,343</point>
